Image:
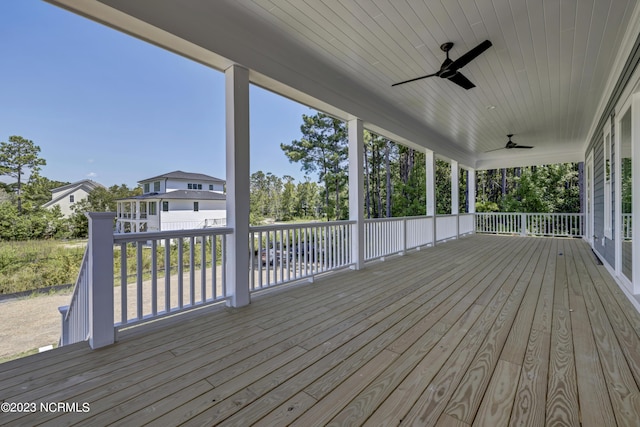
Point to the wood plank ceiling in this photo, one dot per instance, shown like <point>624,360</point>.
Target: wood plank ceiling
<point>545,74</point>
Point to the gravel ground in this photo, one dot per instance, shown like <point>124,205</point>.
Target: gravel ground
<point>30,322</point>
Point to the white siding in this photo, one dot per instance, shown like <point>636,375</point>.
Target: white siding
<point>182,216</point>
<point>65,203</point>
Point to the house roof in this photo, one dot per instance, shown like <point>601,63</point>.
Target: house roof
<point>180,195</point>
<point>62,192</point>
<point>83,182</point>
<point>184,175</point>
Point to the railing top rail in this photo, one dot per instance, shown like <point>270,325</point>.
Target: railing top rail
<point>299,225</point>
<point>169,234</point>
<point>396,218</point>
<point>530,213</point>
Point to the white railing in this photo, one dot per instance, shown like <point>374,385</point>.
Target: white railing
<point>150,274</point>
<point>190,225</point>
<point>165,272</point>
<point>626,227</point>
<point>285,253</point>
<point>466,223</point>
<point>531,224</point>
<point>75,316</point>
<point>446,227</point>
<point>388,236</point>
<point>499,223</point>
<point>154,274</point>
<point>419,231</point>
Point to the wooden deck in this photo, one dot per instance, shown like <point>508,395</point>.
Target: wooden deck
<point>487,330</point>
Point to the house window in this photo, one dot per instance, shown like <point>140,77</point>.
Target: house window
<point>196,206</point>
<point>165,206</point>
<point>146,187</point>
<point>190,186</point>
<point>199,186</point>
<point>156,186</point>
<point>152,208</point>
<point>607,182</point>
<point>71,198</point>
<point>210,187</point>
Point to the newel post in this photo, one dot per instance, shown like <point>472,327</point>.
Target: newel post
<point>523,224</point>
<point>100,246</point>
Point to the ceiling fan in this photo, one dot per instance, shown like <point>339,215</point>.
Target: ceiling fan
<point>449,69</point>
<point>510,145</point>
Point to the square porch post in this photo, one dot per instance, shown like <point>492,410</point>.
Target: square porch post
<point>237,165</point>
<point>356,190</point>
<point>100,267</point>
<point>430,159</point>
<point>455,192</point>
<point>471,194</point>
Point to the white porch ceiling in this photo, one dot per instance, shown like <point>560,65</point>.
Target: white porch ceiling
<point>547,74</point>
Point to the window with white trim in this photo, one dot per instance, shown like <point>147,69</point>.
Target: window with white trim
<point>607,181</point>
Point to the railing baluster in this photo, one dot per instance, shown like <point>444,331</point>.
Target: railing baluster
<point>154,277</point>
<point>167,275</point>
<point>180,273</point>
<point>192,271</point>
<point>203,269</point>
<point>139,279</point>
<point>123,283</point>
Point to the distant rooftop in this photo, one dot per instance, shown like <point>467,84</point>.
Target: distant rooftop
<point>181,194</point>
<point>184,175</point>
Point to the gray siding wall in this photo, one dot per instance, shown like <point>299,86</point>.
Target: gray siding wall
<point>607,251</point>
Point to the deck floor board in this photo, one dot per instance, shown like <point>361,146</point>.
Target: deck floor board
<point>485,330</point>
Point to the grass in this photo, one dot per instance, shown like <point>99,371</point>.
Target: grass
<point>36,264</point>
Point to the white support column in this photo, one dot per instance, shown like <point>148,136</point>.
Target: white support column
<point>237,155</point>
<point>430,159</point>
<point>356,190</point>
<point>100,247</point>
<point>471,194</point>
<point>471,190</point>
<point>455,194</point>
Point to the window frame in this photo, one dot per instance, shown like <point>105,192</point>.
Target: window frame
<point>608,199</point>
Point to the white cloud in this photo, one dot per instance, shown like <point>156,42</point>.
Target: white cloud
<point>92,175</point>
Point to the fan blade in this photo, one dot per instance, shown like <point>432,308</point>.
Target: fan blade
<point>461,80</point>
<point>413,80</point>
<point>495,149</point>
<point>471,55</point>
<point>522,146</point>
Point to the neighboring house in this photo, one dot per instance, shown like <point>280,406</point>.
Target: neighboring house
<point>67,195</point>
<point>174,201</point>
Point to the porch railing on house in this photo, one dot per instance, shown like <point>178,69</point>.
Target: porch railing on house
<point>626,227</point>
<point>75,316</point>
<point>531,224</point>
<point>130,278</point>
<point>289,252</point>
<point>162,273</point>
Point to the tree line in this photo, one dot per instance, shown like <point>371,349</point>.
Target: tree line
<point>394,185</point>
<point>22,215</point>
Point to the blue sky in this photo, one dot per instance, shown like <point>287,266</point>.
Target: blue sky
<point>106,106</point>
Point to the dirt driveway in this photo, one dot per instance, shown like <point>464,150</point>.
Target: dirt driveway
<point>30,322</point>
